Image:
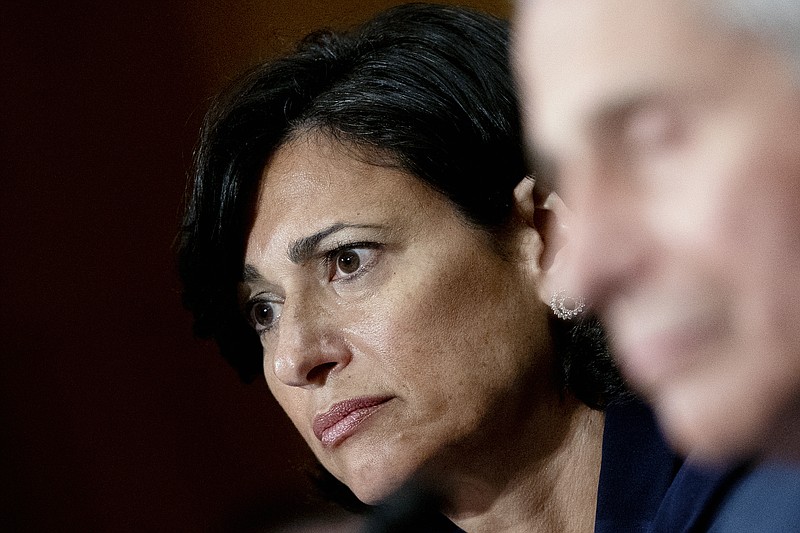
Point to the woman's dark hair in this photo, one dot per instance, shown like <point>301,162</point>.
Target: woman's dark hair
<point>425,88</point>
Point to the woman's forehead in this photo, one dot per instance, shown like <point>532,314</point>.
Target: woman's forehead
<point>318,170</point>
<point>311,183</point>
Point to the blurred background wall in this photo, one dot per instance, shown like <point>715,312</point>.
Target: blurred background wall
<point>112,417</point>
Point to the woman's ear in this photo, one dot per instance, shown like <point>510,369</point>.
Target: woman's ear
<point>547,214</point>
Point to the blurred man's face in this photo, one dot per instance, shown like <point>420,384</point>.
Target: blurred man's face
<point>677,145</point>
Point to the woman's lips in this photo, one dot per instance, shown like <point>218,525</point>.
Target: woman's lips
<point>341,420</point>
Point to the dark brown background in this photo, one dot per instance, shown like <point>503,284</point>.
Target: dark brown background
<point>112,417</point>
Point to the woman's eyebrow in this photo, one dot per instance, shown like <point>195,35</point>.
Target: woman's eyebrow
<point>304,248</point>
<point>251,274</point>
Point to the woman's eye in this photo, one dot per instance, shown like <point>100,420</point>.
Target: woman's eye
<point>348,263</point>
<point>263,315</point>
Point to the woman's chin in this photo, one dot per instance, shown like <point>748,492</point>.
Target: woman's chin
<point>375,486</point>
<point>373,493</point>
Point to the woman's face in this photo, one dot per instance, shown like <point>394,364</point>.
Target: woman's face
<point>393,333</point>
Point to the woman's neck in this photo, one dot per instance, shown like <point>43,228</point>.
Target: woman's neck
<point>529,484</point>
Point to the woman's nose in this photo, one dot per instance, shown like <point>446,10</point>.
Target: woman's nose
<point>310,348</point>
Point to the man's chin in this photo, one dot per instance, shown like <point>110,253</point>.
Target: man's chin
<point>705,430</point>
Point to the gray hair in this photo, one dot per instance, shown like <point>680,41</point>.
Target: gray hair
<point>774,22</point>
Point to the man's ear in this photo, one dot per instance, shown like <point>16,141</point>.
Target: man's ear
<point>547,214</point>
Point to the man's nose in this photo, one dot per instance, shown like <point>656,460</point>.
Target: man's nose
<point>606,234</point>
